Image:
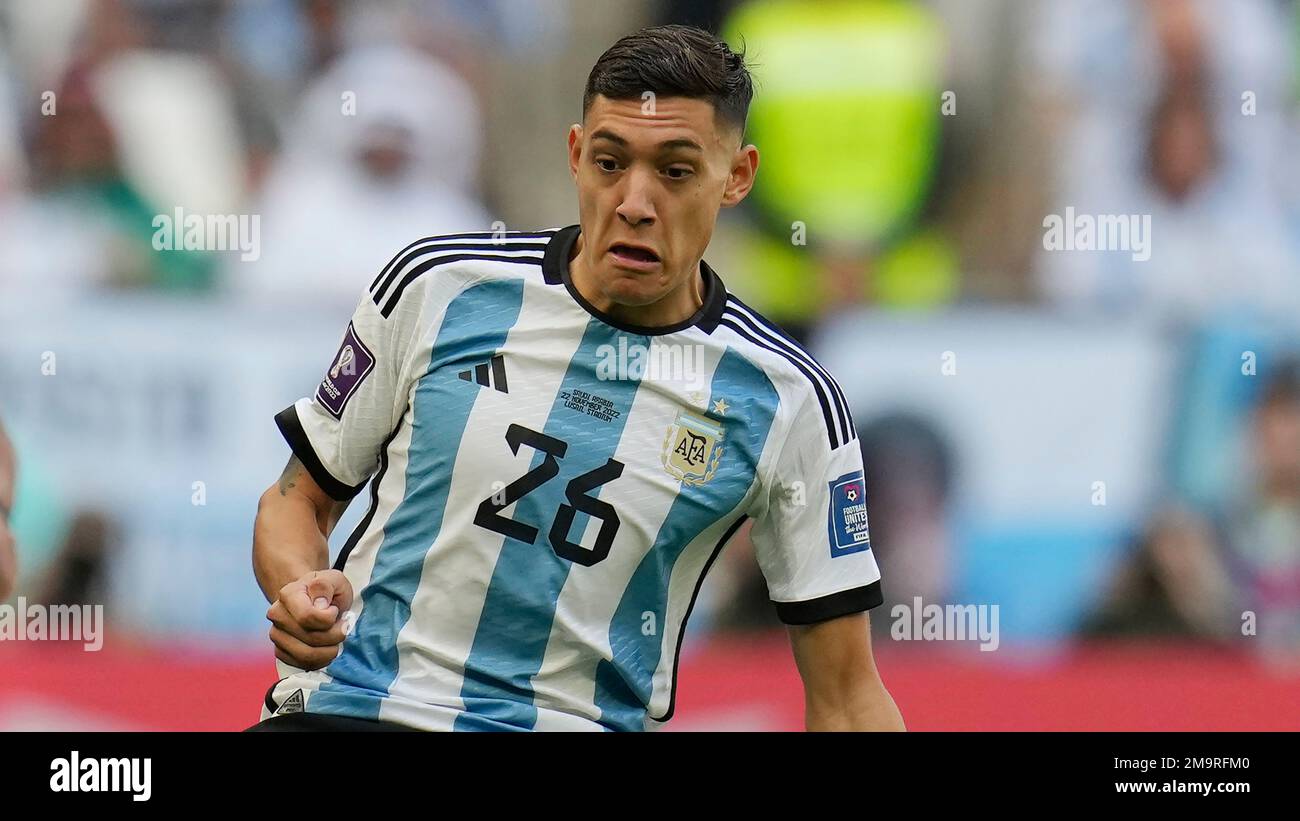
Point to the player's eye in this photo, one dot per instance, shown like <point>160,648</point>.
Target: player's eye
<point>678,172</point>
<point>606,164</point>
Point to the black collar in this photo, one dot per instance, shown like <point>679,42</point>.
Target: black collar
<point>555,268</point>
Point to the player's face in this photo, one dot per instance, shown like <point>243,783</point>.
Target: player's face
<point>651,178</point>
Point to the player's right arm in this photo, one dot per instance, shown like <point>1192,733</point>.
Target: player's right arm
<point>291,562</point>
<point>290,535</point>
<point>336,436</point>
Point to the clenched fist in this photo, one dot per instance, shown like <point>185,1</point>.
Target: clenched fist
<point>305,625</point>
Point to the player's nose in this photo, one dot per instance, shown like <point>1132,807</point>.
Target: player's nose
<point>636,206</point>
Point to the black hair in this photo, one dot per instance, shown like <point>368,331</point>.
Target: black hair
<point>674,61</point>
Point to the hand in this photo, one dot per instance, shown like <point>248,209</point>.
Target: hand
<point>305,625</point>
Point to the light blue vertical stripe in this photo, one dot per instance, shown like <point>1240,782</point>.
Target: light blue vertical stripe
<point>623,685</point>
<point>474,327</point>
<point>519,610</point>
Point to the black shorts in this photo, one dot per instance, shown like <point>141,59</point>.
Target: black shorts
<point>316,723</point>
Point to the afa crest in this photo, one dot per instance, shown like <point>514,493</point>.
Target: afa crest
<point>692,448</point>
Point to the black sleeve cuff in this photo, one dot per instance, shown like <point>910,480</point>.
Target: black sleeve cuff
<point>291,428</point>
<point>830,607</point>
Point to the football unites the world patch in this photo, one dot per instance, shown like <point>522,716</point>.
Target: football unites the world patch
<point>351,366</point>
<point>848,515</point>
<point>692,448</point>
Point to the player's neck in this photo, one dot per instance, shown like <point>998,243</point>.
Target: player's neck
<point>675,307</point>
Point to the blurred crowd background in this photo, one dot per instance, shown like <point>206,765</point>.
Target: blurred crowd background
<point>1106,447</point>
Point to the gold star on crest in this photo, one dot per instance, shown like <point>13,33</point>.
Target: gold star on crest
<point>720,406</point>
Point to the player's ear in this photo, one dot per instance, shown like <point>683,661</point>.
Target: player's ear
<point>744,166</point>
<point>575,148</point>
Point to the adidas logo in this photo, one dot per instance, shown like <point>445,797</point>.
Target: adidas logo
<point>496,368</point>
<point>292,704</point>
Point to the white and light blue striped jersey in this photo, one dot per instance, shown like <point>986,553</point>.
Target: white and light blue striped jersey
<point>549,486</point>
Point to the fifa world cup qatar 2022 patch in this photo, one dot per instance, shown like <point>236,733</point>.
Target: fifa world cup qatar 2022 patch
<point>848,522</point>
<point>350,367</point>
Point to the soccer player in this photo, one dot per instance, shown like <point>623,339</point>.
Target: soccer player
<point>561,429</point>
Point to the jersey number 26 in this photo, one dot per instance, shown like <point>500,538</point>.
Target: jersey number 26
<point>489,510</point>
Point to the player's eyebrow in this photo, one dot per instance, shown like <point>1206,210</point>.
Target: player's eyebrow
<point>691,145</point>
<point>666,145</point>
<point>604,134</point>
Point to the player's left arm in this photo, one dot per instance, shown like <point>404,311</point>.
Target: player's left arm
<point>842,688</point>
<point>812,543</point>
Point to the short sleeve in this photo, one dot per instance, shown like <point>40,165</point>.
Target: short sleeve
<point>811,538</point>
<point>338,432</point>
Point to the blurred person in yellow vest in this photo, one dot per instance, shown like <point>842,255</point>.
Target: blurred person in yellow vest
<point>850,119</point>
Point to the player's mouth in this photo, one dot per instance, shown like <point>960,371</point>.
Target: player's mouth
<point>634,257</point>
